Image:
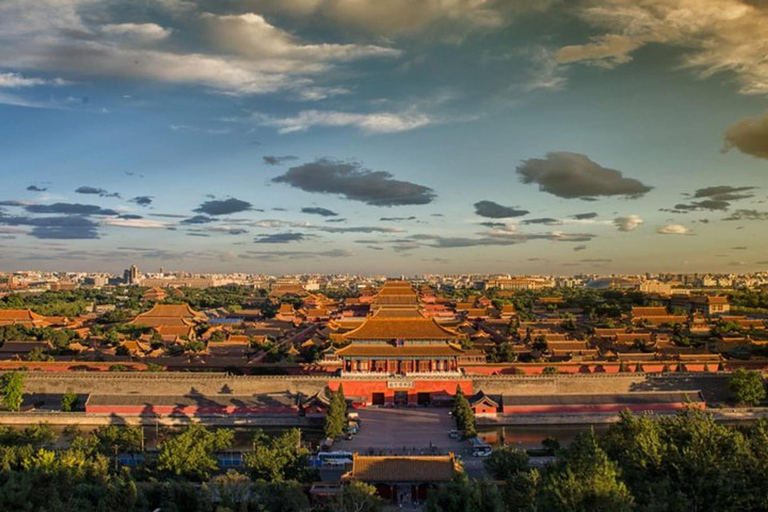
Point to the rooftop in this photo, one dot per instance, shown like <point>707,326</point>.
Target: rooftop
<point>403,469</point>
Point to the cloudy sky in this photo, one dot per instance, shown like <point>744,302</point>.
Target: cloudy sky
<point>409,136</point>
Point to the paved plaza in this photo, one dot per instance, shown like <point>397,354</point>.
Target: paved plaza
<point>409,431</point>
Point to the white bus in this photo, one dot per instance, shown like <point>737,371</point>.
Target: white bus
<point>335,458</point>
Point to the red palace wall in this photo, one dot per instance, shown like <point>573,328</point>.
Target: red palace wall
<point>586,409</point>
<point>439,388</point>
<point>171,410</point>
<point>538,368</point>
<point>482,410</point>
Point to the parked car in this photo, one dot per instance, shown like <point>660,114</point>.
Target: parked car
<point>454,434</point>
<point>482,451</point>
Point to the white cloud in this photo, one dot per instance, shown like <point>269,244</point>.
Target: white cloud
<point>276,223</point>
<point>16,80</point>
<point>239,54</point>
<point>716,36</point>
<point>136,223</point>
<point>628,223</point>
<point>139,31</point>
<point>377,122</point>
<point>251,36</point>
<point>674,229</point>
<point>399,17</point>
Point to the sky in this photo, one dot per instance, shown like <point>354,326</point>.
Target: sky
<point>400,137</point>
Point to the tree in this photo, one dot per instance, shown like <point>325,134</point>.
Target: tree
<point>12,386</point>
<point>585,479</point>
<point>336,419</point>
<point>191,453</point>
<point>39,354</point>
<point>463,495</point>
<point>112,337</point>
<point>282,497</point>
<point>747,387</point>
<point>278,459</point>
<point>68,401</point>
<point>123,439</point>
<point>230,491</point>
<point>358,496</point>
<point>462,412</point>
<point>505,462</point>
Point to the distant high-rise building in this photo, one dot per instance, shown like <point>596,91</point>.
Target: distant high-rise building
<point>131,275</point>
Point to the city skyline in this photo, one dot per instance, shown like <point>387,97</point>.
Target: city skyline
<point>606,136</point>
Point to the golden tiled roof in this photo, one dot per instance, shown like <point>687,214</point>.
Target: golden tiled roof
<point>168,314</point>
<point>400,329</point>
<point>440,468</point>
<point>649,311</point>
<point>388,350</point>
<point>21,316</point>
<point>403,312</point>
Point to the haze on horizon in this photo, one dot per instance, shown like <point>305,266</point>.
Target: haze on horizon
<point>281,136</point>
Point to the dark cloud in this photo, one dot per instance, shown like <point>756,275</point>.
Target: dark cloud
<point>278,160</point>
<point>198,219</point>
<point>494,225</point>
<point>69,209</point>
<point>280,238</point>
<point>747,215</point>
<point>500,238</point>
<point>141,200</point>
<point>597,260</point>
<point>295,255</point>
<point>59,227</point>
<point>459,242</point>
<point>707,204</point>
<point>397,219</point>
<point>223,206</point>
<point>750,136</point>
<point>739,248</point>
<point>358,229</point>
<point>349,179</point>
<point>717,198</point>
<point>543,220</point>
<point>573,175</point>
<point>724,192</point>
<point>579,248</point>
<point>168,215</point>
<point>129,216</point>
<point>96,191</point>
<point>584,216</point>
<point>12,202</point>
<point>35,188</point>
<point>336,220</point>
<point>496,211</point>
<point>319,211</point>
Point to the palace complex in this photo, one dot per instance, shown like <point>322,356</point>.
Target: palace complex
<point>398,340</point>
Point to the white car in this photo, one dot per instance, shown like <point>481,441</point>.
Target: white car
<point>483,451</point>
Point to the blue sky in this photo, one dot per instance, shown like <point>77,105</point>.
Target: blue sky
<point>358,136</point>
